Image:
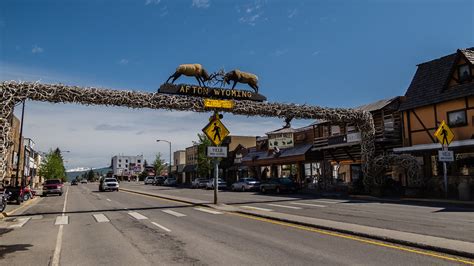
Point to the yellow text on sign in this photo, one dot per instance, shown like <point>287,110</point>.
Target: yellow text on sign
<point>211,103</point>
<point>216,131</point>
<point>444,134</point>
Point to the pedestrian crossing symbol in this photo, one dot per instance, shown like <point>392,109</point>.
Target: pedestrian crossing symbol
<point>216,131</point>
<point>444,134</point>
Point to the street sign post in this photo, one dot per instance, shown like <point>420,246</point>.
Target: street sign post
<point>445,136</point>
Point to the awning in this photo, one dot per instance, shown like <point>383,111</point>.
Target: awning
<point>190,168</point>
<point>436,146</point>
<point>285,155</point>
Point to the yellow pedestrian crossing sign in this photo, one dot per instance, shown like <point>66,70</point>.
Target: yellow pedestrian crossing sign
<point>444,134</point>
<point>216,131</point>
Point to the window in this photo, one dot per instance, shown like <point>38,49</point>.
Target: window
<point>139,161</point>
<point>457,118</point>
<point>120,165</point>
<point>120,160</point>
<point>335,130</point>
<point>126,161</point>
<point>388,123</point>
<point>464,73</point>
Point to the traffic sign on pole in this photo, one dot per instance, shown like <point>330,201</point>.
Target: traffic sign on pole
<point>444,134</point>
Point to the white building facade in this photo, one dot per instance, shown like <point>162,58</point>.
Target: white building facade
<point>127,165</point>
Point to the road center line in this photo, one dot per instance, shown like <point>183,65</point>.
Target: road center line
<point>308,204</point>
<point>162,227</point>
<point>177,214</point>
<point>207,210</point>
<point>59,239</point>
<point>137,216</point>
<point>256,208</point>
<point>284,206</point>
<point>61,220</point>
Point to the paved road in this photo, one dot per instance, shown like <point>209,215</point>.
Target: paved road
<point>435,220</point>
<point>121,228</point>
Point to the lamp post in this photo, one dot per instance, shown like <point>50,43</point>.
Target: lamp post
<point>169,142</point>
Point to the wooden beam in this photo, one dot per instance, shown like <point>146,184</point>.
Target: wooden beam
<point>424,127</point>
<point>348,154</point>
<point>332,155</point>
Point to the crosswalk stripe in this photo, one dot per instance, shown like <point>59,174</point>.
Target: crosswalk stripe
<point>108,199</point>
<point>101,218</point>
<point>22,221</point>
<point>63,219</point>
<point>284,206</point>
<point>162,227</point>
<point>207,210</point>
<point>308,204</point>
<point>256,208</point>
<point>330,202</point>
<point>137,216</point>
<point>177,214</point>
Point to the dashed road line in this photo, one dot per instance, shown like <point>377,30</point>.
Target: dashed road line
<point>308,204</point>
<point>284,206</point>
<point>137,216</point>
<point>108,199</point>
<point>101,218</point>
<point>162,227</point>
<point>256,208</point>
<point>177,214</point>
<point>61,220</point>
<point>22,221</point>
<point>207,210</point>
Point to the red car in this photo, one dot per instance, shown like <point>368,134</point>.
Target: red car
<point>53,186</point>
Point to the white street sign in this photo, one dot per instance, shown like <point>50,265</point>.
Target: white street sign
<point>217,152</point>
<point>446,156</point>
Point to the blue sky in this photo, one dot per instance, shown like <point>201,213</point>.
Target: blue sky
<point>329,53</point>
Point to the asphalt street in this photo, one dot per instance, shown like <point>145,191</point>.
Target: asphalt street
<point>442,220</point>
<point>87,227</point>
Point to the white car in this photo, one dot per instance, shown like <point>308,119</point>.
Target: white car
<point>150,180</point>
<point>109,183</point>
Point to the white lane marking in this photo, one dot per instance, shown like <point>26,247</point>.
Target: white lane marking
<point>177,214</point>
<point>330,202</point>
<point>22,221</point>
<point>137,216</point>
<point>61,220</point>
<point>256,208</point>
<point>162,227</point>
<point>284,206</point>
<point>59,239</point>
<point>101,218</point>
<point>308,204</point>
<point>108,199</point>
<point>207,210</point>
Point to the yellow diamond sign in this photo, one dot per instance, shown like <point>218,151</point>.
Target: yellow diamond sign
<point>444,134</point>
<point>216,131</point>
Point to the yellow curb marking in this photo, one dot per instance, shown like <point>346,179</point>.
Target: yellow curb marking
<point>29,202</point>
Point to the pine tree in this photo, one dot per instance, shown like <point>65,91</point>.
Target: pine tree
<point>52,166</point>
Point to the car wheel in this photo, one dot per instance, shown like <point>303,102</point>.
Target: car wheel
<point>243,189</point>
<point>263,190</point>
<point>18,200</point>
<point>60,194</point>
<point>26,197</point>
<point>278,190</point>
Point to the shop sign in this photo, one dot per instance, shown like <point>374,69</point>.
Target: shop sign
<point>280,142</point>
<point>446,156</point>
<point>354,137</point>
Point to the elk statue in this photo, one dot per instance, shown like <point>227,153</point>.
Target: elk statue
<point>241,77</point>
<point>191,70</point>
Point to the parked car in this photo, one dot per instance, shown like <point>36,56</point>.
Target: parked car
<point>108,183</point>
<point>84,181</point>
<point>170,181</point>
<point>278,185</point>
<point>221,184</point>
<point>247,183</point>
<point>53,186</point>
<point>159,180</point>
<point>74,182</point>
<point>150,180</point>
<point>199,183</point>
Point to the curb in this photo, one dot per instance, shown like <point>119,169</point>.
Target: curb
<point>29,202</point>
<point>375,237</point>
<point>465,204</point>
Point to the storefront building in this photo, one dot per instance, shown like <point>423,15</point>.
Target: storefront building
<point>442,90</point>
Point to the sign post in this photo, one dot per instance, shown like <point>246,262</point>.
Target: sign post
<point>216,153</point>
<point>445,137</point>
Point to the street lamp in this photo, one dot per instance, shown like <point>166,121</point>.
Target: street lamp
<point>169,142</point>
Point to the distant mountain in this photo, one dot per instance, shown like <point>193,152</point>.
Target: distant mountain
<point>73,173</point>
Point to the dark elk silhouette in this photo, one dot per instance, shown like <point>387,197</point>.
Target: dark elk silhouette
<point>241,77</point>
<point>191,70</point>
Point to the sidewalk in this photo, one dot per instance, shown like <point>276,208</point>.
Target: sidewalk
<point>13,208</point>
<point>438,244</point>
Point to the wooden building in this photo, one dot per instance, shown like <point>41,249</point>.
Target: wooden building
<point>442,89</point>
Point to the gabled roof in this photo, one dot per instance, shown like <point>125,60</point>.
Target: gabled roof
<point>282,130</point>
<point>376,105</point>
<point>429,83</point>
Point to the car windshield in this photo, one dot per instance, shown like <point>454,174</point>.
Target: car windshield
<point>250,180</point>
<point>285,181</point>
<point>54,181</point>
<point>110,180</point>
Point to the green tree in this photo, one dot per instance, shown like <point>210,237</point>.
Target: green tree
<point>52,166</point>
<point>158,164</point>
<point>90,176</point>
<point>204,162</point>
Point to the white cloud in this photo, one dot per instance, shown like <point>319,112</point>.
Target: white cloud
<point>315,53</point>
<point>37,50</point>
<point>152,2</point>
<point>292,13</point>
<point>164,11</point>
<point>280,52</point>
<point>201,3</point>
<point>251,13</point>
<point>123,61</point>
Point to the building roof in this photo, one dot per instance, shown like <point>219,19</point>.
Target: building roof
<point>430,80</point>
<point>265,155</point>
<point>376,105</point>
<point>282,130</point>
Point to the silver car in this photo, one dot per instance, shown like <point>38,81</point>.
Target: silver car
<point>245,184</point>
